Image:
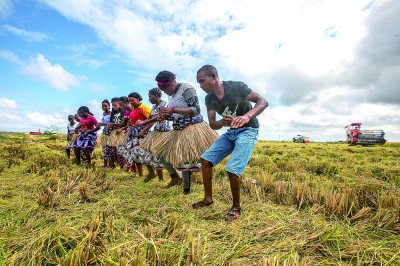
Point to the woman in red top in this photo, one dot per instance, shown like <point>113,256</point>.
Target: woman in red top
<point>135,154</point>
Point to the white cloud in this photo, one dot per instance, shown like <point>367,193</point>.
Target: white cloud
<point>321,64</point>
<point>12,121</point>
<point>94,105</point>
<point>17,120</point>
<point>45,119</point>
<point>29,35</point>
<point>251,37</point>
<point>11,116</point>
<point>8,104</point>
<point>9,56</point>
<point>6,8</point>
<point>40,68</point>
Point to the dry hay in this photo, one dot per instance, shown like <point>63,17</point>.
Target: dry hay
<point>321,219</point>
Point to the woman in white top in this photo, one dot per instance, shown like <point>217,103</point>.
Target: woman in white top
<point>70,134</point>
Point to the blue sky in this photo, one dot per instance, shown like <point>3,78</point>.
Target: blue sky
<point>320,64</point>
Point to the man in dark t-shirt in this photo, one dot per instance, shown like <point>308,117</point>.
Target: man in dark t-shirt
<point>232,100</point>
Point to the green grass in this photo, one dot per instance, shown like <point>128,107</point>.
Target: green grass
<point>314,204</point>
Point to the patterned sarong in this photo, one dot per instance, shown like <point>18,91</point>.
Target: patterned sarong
<point>86,142</point>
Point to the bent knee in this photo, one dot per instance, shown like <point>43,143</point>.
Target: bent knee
<point>205,163</point>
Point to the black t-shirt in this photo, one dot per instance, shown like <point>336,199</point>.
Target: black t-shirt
<point>233,103</point>
<point>117,117</point>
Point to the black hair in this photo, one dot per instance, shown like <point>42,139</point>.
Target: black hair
<point>70,116</point>
<point>115,99</point>
<point>135,95</point>
<point>124,99</point>
<point>119,110</point>
<point>106,101</point>
<point>165,76</point>
<point>84,109</point>
<point>156,92</point>
<point>209,70</point>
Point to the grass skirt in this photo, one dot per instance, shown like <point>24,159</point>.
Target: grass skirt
<point>147,143</point>
<point>115,139</point>
<point>150,139</point>
<point>182,146</point>
<point>101,140</point>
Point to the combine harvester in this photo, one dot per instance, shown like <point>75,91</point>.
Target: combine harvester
<point>301,139</point>
<point>354,135</point>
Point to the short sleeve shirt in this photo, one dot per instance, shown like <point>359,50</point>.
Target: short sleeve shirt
<point>233,103</point>
<point>71,128</point>
<point>88,123</point>
<point>105,119</point>
<point>140,113</point>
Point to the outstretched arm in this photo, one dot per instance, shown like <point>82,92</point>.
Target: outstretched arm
<point>151,121</point>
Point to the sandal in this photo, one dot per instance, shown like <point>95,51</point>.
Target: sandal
<point>233,214</point>
<point>201,204</point>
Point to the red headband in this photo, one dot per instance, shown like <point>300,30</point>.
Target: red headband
<point>164,83</point>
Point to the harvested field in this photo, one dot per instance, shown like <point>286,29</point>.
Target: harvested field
<point>303,204</point>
